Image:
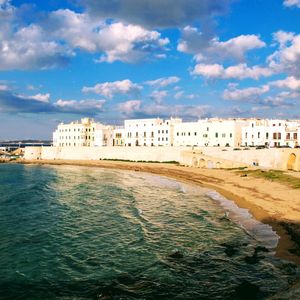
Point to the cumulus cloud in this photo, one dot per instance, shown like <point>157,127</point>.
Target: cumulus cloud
<point>290,3</point>
<point>163,82</point>
<point>118,41</point>
<point>290,82</point>
<point>158,14</point>
<point>41,97</point>
<point>51,42</point>
<point>31,48</point>
<point>251,93</point>
<point>195,42</point>
<point>138,109</point>
<point>14,103</point>
<point>158,96</point>
<point>109,89</point>
<point>89,107</point>
<point>240,71</point>
<point>130,107</point>
<point>287,58</point>
<point>179,95</point>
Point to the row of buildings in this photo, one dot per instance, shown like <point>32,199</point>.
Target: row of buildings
<point>174,132</point>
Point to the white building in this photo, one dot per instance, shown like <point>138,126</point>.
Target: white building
<point>271,133</point>
<point>84,133</point>
<point>174,132</point>
<point>209,132</point>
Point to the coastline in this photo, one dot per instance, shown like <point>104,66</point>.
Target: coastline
<point>269,202</point>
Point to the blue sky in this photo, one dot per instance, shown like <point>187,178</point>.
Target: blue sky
<point>114,60</point>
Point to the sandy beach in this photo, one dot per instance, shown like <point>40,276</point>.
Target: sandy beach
<point>273,203</point>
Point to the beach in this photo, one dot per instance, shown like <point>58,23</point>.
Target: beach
<point>270,202</point>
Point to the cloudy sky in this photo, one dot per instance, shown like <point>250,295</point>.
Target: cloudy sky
<point>119,59</point>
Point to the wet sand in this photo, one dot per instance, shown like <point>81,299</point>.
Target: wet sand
<point>270,202</point>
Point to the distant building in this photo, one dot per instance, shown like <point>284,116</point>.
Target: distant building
<point>84,133</point>
<point>209,132</point>
<point>157,132</point>
<point>271,133</point>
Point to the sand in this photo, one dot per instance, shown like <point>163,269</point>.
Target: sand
<point>270,202</point>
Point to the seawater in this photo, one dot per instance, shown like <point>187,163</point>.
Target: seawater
<point>70,232</point>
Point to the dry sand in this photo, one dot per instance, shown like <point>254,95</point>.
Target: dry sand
<point>270,202</point>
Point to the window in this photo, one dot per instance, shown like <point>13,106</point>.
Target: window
<point>152,134</point>
<point>136,134</point>
<point>167,131</point>
<point>177,133</point>
<point>223,135</point>
<point>207,128</point>
<point>230,135</point>
<point>258,135</point>
<point>217,135</point>
<point>279,135</point>
<point>166,139</point>
<point>252,125</point>
<point>267,135</point>
<point>145,134</point>
<point>195,133</point>
<point>159,139</point>
<point>162,139</point>
<point>295,136</point>
<point>246,135</point>
<point>158,131</point>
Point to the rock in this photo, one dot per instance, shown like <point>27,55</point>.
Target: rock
<point>247,291</point>
<point>230,250</point>
<point>254,259</point>
<point>177,254</point>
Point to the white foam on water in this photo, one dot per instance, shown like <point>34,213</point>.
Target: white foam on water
<point>263,233</point>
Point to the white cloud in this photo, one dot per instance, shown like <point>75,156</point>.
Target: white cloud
<point>158,96</point>
<point>287,58</point>
<point>41,97</point>
<point>129,43</point>
<point>109,89</point>
<point>130,106</point>
<point>137,109</point>
<point>118,41</point>
<point>51,42</point>
<point>290,82</point>
<point>179,95</point>
<point>163,82</point>
<point>290,3</point>
<point>193,41</point>
<point>251,93</point>
<point>83,106</point>
<point>240,71</point>
<point>4,87</point>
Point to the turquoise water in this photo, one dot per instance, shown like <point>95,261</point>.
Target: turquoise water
<point>86,233</point>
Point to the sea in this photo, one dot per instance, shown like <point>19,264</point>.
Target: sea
<point>73,232</point>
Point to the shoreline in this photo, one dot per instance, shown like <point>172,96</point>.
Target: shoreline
<point>247,192</point>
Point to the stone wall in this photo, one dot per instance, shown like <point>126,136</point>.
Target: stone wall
<point>205,157</point>
<point>160,154</point>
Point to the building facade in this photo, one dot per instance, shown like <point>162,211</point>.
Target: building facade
<point>157,132</point>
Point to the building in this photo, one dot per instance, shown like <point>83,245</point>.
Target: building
<point>271,133</point>
<point>157,132</point>
<point>83,133</point>
<point>209,133</point>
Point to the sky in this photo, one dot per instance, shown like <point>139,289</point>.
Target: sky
<point>120,59</point>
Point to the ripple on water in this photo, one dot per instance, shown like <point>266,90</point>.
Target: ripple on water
<point>79,233</point>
